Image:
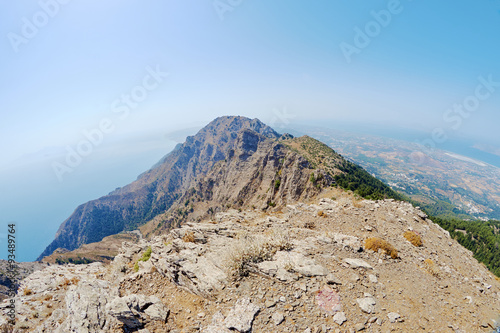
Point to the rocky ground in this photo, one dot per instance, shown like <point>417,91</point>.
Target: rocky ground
<point>23,270</point>
<point>304,268</point>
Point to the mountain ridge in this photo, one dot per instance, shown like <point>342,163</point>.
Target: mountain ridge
<point>228,150</point>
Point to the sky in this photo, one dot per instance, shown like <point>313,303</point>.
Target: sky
<point>90,90</point>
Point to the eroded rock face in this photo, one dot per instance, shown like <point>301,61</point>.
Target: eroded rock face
<point>85,306</point>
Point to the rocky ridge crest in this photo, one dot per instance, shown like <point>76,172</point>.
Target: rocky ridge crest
<point>303,269</point>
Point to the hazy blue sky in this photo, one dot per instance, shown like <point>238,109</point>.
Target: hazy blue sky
<point>68,66</point>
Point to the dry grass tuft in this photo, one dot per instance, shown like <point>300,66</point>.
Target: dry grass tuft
<point>431,267</point>
<point>375,244</point>
<point>188,237</point>
<point>413,237</point>
<point>74,280</point>
<point>322,214</point>
<point>252,249</point>
<point>27,292</point>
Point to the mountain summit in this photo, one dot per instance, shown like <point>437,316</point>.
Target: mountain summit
<point>231,162</point>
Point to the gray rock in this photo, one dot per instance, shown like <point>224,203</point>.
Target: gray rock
<point>332,279</point>
<point>278,318</point>
<point>119,309</point>
<point>339,318</point>
<point>372,278</point>
<point>358,263</point>
<point>393,316</point>
<point>217,325</point>
<point>366,304</point>
<point>241,316</point>
<point>85,305</point>
<point>359,327</point>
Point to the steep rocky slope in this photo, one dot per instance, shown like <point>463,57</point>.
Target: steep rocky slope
<point>306,268</point>
<point>232,162</point>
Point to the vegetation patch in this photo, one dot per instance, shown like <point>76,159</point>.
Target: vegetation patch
<point>480,237</point>
<point>431,267</point>
<point>414,238</point>
<point>145,257</point>
<point>252,249</point>
<point>375,244</point>
<point>188,237</point>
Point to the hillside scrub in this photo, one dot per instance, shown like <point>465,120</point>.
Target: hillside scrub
<point>375,244</point>
<point>482,238</point>
<point>414,238</point>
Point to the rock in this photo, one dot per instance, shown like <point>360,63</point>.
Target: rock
<point>372,278</point>
<point>270,303</point>
<point>241,316</point>
<point>268,267</point>
<point>283,275</point>
<point>359,327</point>
<point>157,310</point>
<point>357,263</point>
<point>393,316</point>
<point>332,279</point>
<point>85,304</point>
<point>135,309</point>
<point>119,309</point>
<point>217,325</point>
<point>347,241</point>
<point>366,304</point>
<point>278,318</point>
<point>339,318</point>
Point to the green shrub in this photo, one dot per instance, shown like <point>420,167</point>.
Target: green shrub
<point>145,257</point>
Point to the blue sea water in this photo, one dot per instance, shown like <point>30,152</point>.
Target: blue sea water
<point>34,199</point>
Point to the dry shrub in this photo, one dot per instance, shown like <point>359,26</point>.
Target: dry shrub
<point>47,298</point>
<point>413,237</point>
<point>27,292</point>
<point>66,282</point>
<point>431,267</point>
<point>375,244</point>
<point>74,280</point>
<point>188,237</point>
<point>322,214</point>
<point>252,249</point>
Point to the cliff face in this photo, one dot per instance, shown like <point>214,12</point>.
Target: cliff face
<point>155,190</point>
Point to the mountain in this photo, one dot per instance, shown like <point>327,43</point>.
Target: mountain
<point>246,230</point>
<point>232,162</point>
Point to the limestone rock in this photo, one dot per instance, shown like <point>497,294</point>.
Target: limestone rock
<point>358,263</point>
<point>339,318</point>
<point>367,304</point>
<point>241,316</point>
<point>393,316</point>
